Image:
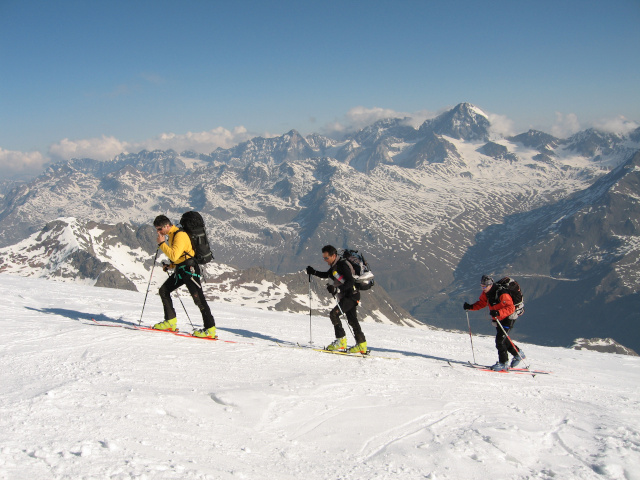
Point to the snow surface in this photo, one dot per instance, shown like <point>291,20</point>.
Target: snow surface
<point>83,401</point>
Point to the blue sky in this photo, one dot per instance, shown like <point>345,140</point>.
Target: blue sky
<point>91,78</point>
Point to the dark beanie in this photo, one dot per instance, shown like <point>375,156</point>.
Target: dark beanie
<point>486,280</point>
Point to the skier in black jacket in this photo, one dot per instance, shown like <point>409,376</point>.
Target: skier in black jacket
<point>348,296</point>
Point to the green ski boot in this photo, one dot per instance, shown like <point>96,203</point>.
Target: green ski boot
<point>338,345</point>
<point>205,333</point>
<point>359,348</point>
<point>167,325</point>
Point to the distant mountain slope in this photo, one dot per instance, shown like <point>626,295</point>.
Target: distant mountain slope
<point>578,261</point>
<point>422,202</point>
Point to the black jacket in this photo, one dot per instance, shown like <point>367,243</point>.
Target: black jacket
<point>342,276</point>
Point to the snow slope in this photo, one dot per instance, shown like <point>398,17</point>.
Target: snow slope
<point>82,401</point>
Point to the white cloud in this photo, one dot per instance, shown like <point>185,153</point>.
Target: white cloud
<point>501,125</point>
<point>13,163</point>
<point>199,142</point>
<point>566,125</point>
<point>360,117</point>
<point>103,148</point>
<point>616,125</point>
<point>416,119</point>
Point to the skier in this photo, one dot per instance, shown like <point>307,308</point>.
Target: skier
<point>176,245</point>
<point>502,310</point>
<point>348,297</point>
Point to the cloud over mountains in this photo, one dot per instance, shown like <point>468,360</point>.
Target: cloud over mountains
<point>105,147</point>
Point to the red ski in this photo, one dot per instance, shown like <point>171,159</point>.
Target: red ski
<point>486,368</point>
<point>178,333</point>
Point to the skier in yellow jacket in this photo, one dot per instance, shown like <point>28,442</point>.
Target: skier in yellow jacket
<point>176,245</point>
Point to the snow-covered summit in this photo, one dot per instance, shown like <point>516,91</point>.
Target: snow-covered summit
<point>464,122</point>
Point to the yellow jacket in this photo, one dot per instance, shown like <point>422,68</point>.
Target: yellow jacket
<point>178,248</point>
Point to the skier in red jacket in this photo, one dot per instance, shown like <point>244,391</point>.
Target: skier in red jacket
<point>501,309</point>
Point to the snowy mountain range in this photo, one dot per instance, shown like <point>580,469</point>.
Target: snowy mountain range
<point>432,207</point>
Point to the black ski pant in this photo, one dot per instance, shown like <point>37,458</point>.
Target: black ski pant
<point>189,276</point>
<point>348,306</point>
<point>503,344</point>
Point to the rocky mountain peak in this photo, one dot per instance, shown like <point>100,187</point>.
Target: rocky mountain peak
<point>463,122</point>
<point>592,142</point>
<point>536,139</point>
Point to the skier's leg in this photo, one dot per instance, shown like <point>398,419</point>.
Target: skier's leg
<point>334,316</point>
<point>165,295</point>
<point>195,289</point>
<point>349,306</point>
<point>501,345</point>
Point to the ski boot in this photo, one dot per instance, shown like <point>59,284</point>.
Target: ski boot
<point>338,345</point>
<point>170,325</point>
<point>517,359</point>
<point>205,333</point>
<point>499,367</point>
<point>359,348</point>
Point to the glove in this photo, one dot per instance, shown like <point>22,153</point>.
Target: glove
<point>311,270</point>
<point>467,306</point>
<point>165,266</point>
<point>494,314</point>
<point>331,289</point>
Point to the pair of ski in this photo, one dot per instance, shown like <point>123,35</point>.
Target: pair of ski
<point>518,371</point>
<point>130,326</point>
<point>334,352</point>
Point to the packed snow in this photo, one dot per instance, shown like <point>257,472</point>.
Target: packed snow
<point>84,401</point>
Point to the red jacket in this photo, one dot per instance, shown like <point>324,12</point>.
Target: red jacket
<point>503,305</point>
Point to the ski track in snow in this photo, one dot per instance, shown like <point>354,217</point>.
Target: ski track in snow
<point>82,401</point>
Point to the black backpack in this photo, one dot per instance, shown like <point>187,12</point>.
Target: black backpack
<point>510,286</point>
<point>193,225</point>
<point>362,273</point>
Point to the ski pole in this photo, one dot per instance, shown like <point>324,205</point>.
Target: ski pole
<point>148,286</point>
<point>471,338</point>
<point>338,305</point>
<point>512,344</point>
<point>310,336</point>
<point>185,310</point>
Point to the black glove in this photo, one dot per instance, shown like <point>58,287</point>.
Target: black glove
<point>494,314</point>
<point>331,289</point>
<point>311,270</point>
<point>467,306</point>
<point>165,266</point>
